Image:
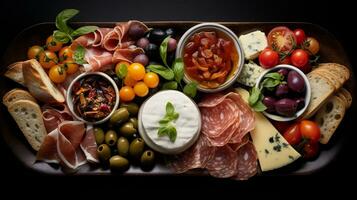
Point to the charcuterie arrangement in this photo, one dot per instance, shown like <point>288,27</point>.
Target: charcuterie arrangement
<point>223,103</point>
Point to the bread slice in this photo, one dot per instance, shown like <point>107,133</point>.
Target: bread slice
<point>342,97</point>
<point>334,80</point>
<point>14,72</point>
<point>28,117</point>
<point>329,117</point>
<point>15,95</point>
<point>321,90</point>
<point>339,70</point>
<point>347,95</point>
<point>39,84</point>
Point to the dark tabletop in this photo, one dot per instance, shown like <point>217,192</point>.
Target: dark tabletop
<point>337,18</point>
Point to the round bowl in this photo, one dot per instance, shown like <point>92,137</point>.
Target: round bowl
<point>228,34</point>
<point>307,92</point>
<point>70,102</point>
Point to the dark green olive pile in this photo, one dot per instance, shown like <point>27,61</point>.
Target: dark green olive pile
<point>120,145</point>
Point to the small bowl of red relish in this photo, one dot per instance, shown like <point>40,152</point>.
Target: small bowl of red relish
<point>212,56</point>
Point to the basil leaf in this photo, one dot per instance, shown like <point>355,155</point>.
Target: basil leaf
<point>164,121</point>
<point>60,36</point>
<point>84,30</point>
<point>78,55</point>
<point>254,96</point>
<point>163,50</point>
<point>178,69</point>
<point>270,83</point>
<point>170,110</point>
<point>274,75</point>
<point>171,85</point>
<point>175,116</point>
<point>259,106</point>
<point>166,73</point>
<point>190,89</point>
<point>162,131</point>
<point>121,71</point>
<point>63,17</point>
<point>172,133</point>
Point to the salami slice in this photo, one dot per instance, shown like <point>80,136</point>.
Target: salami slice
<point>247,165</point>
<point>237,146</point>
<point>226,135</point>
<point>224,163</point>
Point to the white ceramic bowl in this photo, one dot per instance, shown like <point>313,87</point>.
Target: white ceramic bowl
<point>307,92</point>
<point>219,29</point>
<point>70,102</point>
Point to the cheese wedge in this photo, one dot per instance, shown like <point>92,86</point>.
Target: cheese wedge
<point>272,148</point>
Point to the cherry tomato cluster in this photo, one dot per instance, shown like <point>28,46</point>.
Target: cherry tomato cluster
<point>304,136</point>
<point>137,81</point>
<point>55,59</point>
<point>289,47</point>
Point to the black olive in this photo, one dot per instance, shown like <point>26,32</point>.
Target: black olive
<point>152,51</point>
<point>170,31</point>
<point>157,36</point>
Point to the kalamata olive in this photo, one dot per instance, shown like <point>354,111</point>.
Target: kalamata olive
<point>295,82</point>
<point>136,31</point>
<point>123,146</point>
<point>281,90</point>
<point>171,45</point>
<point>134,121</point>
<point>119,116</point>
<point>136,148</point>
<point>133,108</point>
<point>286,107</point>
<point>118,163</point>
<point>104,152</point>
<point>157,36</point>
<point>283,72</point>
<point>269,102</point>
<point>142,42</point>
<point>99,135</point>
<point>170,58</point>
<point>152,51</point>
<point>170,31</point>
<point>127,129</point>
<point>111,138</point>
<point>147,159</point>
<point>141,58</point>
<point>300,103</point>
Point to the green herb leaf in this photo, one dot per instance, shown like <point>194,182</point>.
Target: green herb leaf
<point>172,133</point>
<point>171,85</point>
<point>63,17</point>
<point>166,127</point>
<point>121,71</point>
<point>78,55</point>
<point>60,36</point>
<point>254,96</point>
<point>259,106</point>
<point>84,30</point>
<point>170,109</point>
<point>178,69</point>
<point>275,76</point>
<point>164,72</point>
<point>190,89</point>
<point>163,50</point>
<point>175,116</point>
<point>270,83</point>
<point>162,131</point>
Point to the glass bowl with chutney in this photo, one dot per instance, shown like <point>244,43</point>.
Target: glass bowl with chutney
<point>212,56</point>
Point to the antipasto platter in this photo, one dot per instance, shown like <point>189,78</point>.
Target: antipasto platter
<point>228,99</point>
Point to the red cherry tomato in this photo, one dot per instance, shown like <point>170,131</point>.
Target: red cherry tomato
<point>299,58</point>
<point>307,68</point>
<point>281,39</point>
<point>268,58</point>
<point>300,36</point>
<point>310,130</point>
<point>286,60</point>
<point>293,134</point>
<point>310,150</point>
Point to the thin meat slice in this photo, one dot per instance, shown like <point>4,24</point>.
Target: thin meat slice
<point>48,150</point>
<point>237,146</point>
<point>127,54</point>
<point>247,162</point>
<point>94,39</point>
<point>226,135</point>
<point>211,100</point>
<point>89,145</point>
<point>97,58</point>
<point>53,115</point>
<point>224,163</point>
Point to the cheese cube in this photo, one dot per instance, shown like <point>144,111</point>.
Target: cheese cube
<point>250,73</point>
<point>253,43</point>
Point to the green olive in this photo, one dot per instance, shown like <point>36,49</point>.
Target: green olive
<point>134,121</point>
<point>127,129</point>
<point>111,138</point>
<point>99,135</point>
<point>103,151</point>
<point>118,163</point>
<point>119,116</point>
<point>147,159</point>
<point>133,108</point>
<point>123,146</point>
<point>136,148</point>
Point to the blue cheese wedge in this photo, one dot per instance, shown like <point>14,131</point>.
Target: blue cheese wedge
<point>253,43</point>
<point>272,148</point>
<point>188,124</point>
<point>250,73</point>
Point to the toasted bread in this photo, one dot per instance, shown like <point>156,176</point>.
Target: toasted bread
<point>15,95</point>
<point>14,72</point>
<point>347,95</point>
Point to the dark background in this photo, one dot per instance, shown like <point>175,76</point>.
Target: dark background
<point>15,15</point>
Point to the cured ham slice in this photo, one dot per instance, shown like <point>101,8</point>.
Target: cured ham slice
<point>53,115</point>
<point>97,58</point>
<point>89,145</point>
<point>48,150</point>
<point>127,55</point>
<point>94,39</point>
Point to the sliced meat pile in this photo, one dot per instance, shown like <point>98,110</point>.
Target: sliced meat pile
<point>223,147</point>
<point>107,46</point>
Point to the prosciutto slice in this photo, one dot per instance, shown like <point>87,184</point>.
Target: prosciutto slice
<point>127,54</point>
<point>53,115</point>
<point>89,145</point>
<point>94,39</point>
<point>97,58</point>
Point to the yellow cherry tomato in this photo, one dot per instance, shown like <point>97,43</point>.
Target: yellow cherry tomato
<point>141,89</point>
<point>34,52</point>
<point>48,59</point>
<point>151,79</point>
<point>118,67</point>
<point>70,66</point>
<point>126,93</point>
<point>128,81</point>
<point>53,45</point>
<point>57,74</point>
<point>65,53</point>
<point>136,71</point>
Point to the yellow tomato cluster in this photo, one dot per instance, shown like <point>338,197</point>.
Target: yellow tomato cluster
<point>55,58</point>
<point>137,81</point>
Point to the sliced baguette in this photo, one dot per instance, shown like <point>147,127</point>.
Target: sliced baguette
<point>14,72</point>
<point>28,117</point>
<point>15,95</point>
<point>335,82</point>
<point>39,84</point>
<point>329,117</point>
<point>347,95</point>
<point>342,72</point>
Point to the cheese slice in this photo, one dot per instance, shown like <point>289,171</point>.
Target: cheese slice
<point>272,148</point>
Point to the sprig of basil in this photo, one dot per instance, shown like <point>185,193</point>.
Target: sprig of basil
<point>178,69</point>
<point>255,100</point>
<point>121,71</point>
<point>84,30</point>
<point>62,19</point>
<point>166,127</point>
<point>78,55</point>
<point>165,72</point>
<point>171,85</point>
<point>190,89</point>
<point>163,50</point>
